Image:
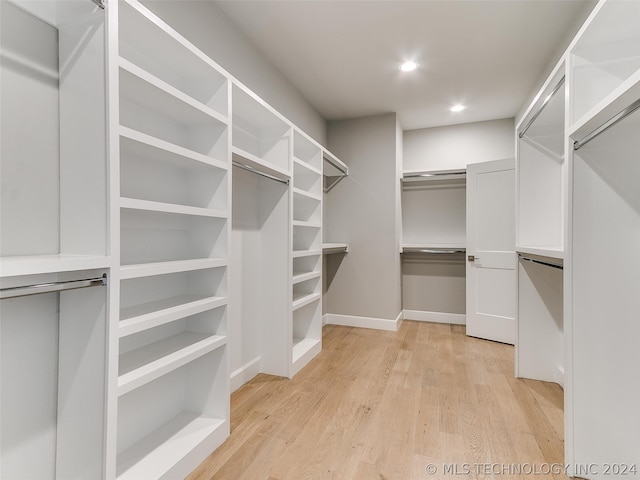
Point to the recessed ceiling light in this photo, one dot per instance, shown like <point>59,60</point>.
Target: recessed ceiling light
<point>408,66</point>
<point>457,108</point>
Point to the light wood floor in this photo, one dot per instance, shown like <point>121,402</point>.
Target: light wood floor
<point>385,405</point>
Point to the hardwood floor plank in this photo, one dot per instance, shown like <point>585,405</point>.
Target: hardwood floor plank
<point>384,405</point>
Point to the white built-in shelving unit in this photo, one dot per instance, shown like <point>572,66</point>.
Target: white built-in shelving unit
<point>53,226</point>
<point>433,245</point>
<point>172,158</point>
<point>601,301</point>
<point>261,231</point>
<point>306,280</point>
<point>541,215</point>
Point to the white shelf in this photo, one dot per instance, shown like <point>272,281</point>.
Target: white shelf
<point>151,206</point>
<point>158,452</point>
<point>305,253</point>
<point>307,166</point>
<point>254,162</point>
<point>32,265</point>
<point>161,268</point>
<point>166,151</point>
<point>433,246</point>
<point>303,348</point>
<point>434,175</point>
<point>557,253</point>
<point>328,248</point>
<point>298,223</point>
<point>171,92</point>
<point>301,300</point>
<point>308,195</point>
<point>141,317</point>
<point>301,277</point>
<point>336,166</point>
<point>147,363</point>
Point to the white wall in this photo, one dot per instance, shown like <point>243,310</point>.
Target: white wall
<point>207,27</point>
<point>455,146</point>
<point>362,210</point>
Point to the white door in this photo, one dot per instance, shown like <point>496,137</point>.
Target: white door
<point>491,257</point>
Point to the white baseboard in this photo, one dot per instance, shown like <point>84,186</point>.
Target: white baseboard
<point>245,373</point>
<point>435,317</point>
<point>325,319</point>
<point>364,322</point>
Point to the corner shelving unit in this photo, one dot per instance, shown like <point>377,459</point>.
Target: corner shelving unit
<point>601,300</point>
<point>433,245</point>
<point>53,222</point>
<point>172,385</point>
<point>541,215</point>
<point>306,280</point>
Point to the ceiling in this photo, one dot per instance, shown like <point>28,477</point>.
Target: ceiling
<point>344,56</point>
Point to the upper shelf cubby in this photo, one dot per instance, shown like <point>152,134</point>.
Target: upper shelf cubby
<point>152,45</point>
<point>259,133</point>
<point>605,57</point>
<point>306,151</point>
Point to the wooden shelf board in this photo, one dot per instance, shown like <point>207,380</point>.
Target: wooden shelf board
<point>302,193</point>
<point>141,317</point>
<point>307,166</point>
<point>549,252</point>
<point>300,223</point>
<point>256,163</point>
<point>152,206</point>
<point>160,268</point>
<point>32,265</point>
<point>162,150</point>
<point>147,363</point>
<point>306,253</point>
<point>301,277</point>
<point>166,446</point>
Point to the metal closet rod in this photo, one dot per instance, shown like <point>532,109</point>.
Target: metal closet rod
<point>258,172</point>
<point>39,288</point>
<point>431,250</point>
<point>540,262</point>
<point>436,174</point>
<point>607,125</point>
<point>99,3</point>
<point>541,108</point>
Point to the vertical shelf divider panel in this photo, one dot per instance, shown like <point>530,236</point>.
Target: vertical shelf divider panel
<point>54,203</point>
<point>541,216</point>
<point>306,281</point>
<point>433,245</point>
<point>174,181</point>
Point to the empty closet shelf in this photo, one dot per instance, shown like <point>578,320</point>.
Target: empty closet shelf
<point>304,164</point>
<point>300,223</point>
<point>550,252</point>
<point>302,193</point>
<point>147,363</point>
<point>141,317</point>
<point>304,346</point>
<point>305,253</point>
<point>35,264</point>
<point>161,268</point>
<point>329,248</point>
<point>158,452</point>
<point>439,175</point>
<point>152,206</point>
<point>256,164</point>
<point>301,277</point>
<point>302,299</point>
<point>135,143</point>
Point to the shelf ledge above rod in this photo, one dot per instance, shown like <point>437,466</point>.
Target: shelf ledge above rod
<point>607,125</point>
<point>258,172</point>
<point>39,288</point>
<point>522,132</point>
<point>540,262</point>
<point>447,251</point>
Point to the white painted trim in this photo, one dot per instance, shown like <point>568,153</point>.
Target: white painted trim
<point>435,317</point>
<point>364,322</point>
<point>245,373</point>
<point>325,319</point>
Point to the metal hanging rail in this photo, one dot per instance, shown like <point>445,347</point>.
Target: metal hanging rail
<point>540,262</point>
<point>607,125</point>
<point>39,288</point>
<point>447,251</point>
<point>99,3</point>
<point>541,108</point>
<point>258,172</point>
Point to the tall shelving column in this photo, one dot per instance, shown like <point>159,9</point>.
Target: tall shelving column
<point>602,305</point>
<point>541,213</point>
<point>173,157</point>
<point>306,251</point>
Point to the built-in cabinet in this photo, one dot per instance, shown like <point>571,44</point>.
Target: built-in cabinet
<point>433,245</point>
<point>578,308</point>
<point>161,233</point>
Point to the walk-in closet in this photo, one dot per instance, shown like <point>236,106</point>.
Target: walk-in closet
<point>319,239</point>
